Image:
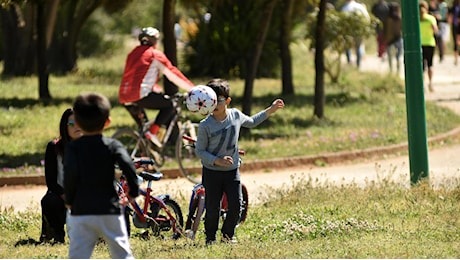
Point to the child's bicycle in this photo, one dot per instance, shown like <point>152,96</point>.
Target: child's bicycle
<point>139,146</point>
<point>197,203</point>
<point>159,213</point>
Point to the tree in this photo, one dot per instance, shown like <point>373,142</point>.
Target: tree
<point>169,40</point>
<point>287,7</point>
<point>319,98</point>
<point>254,61</point>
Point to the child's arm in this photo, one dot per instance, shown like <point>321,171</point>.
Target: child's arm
<point>277,104</point>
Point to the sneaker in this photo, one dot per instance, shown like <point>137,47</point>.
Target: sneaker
<point>153,138</point>
<point>430,87</point>
<point>226,239</point>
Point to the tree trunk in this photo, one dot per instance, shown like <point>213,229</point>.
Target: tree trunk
<point>319,98</point>
<point>255,57</point>
<point>65,49</point>
<point>18,44</point>
<point>43,74</point>
<point>169,41</point>
<point>285,52</point>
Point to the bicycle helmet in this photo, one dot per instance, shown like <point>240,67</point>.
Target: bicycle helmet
<point>148,36</point>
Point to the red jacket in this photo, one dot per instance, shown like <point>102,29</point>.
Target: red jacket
<point>143,69</point>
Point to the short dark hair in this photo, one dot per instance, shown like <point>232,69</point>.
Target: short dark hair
<point>91,111</point>
<point>220,86</point>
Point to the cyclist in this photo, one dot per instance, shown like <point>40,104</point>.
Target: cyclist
<point>139,87</point>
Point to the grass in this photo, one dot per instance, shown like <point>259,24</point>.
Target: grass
<point>384,219</point>
<point>26,125</point>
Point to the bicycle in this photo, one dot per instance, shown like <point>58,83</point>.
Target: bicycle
<point>159,213</point>
<point>197,203</point>
<point>139,146</point>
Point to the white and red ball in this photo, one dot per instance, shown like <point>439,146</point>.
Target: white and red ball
<point>201,99</point>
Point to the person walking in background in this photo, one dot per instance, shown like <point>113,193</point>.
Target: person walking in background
<point>454,20</point>
<point>52,204</point>
<point>381,10</point>
<point>428,29</point>
<point>433,9</point>
<point>217,147</point>
<point>353,7</point>
<point>393,35</point>
<point>443,26</point>
<point>89,174</point>
<point>139,86</point>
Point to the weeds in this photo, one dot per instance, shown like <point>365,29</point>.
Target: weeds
<point>308,219</point>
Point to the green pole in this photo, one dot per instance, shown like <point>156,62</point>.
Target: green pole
<point>415,99</point>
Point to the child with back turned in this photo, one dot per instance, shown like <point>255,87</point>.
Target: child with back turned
<point>217,146</point>
<point>89,178</point>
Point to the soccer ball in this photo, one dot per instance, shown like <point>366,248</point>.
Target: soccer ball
<point>201,99</point>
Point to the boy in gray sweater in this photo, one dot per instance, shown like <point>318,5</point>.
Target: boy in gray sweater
<point>217,146</point>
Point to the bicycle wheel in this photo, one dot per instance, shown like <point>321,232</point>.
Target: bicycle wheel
<point>163,221</point>
<point>198,214</point>
<point>245,204</point>
<point>132,142</point>
<point>189,163</point>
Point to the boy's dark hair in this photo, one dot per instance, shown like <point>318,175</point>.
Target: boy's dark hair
<point>91,111</point>
<point>220,86</point>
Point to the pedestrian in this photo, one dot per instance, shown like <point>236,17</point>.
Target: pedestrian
<point>393,36</point>
<point>217,147</point>
<point>52,203</point>
<point>428,28</point>
<point>355,8</point>
<point>434,10</point>
<point>139,88</point>
<point>89,175</point>
<point>380,10</point>
<point>454,20</point>
<point>443,26</point>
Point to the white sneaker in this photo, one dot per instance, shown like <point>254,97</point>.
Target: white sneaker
<point>153,138</point>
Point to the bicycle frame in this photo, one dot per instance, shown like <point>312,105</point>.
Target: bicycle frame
<point>160,217</point>
<point>148,199</point>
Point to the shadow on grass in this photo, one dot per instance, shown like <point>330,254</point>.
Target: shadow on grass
<point>29,102</point>
<point>29,159</point>
<point>33,242</point>
<point>26,242</point>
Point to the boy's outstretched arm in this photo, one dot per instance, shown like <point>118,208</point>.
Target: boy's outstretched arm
<point>277,104</point>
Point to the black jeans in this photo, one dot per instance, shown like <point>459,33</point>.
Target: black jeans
<point>215,184</point>
<point>163,103</point>
<point>53,217</point>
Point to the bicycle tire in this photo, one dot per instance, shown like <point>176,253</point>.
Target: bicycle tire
<point>245,205</point>
<point>198,214</point>
<point>132,141</point>
<point>189,162</point>
<point>156,211</point>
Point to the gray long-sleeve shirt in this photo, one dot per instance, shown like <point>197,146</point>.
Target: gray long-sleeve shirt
<point>220,138</point>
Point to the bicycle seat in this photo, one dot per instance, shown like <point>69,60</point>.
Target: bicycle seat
<point>151,176</point>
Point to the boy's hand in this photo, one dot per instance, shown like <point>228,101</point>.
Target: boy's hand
<point>277,104</point>
<point>226,161</point>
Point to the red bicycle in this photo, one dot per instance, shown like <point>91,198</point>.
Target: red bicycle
<point>159,213</point>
